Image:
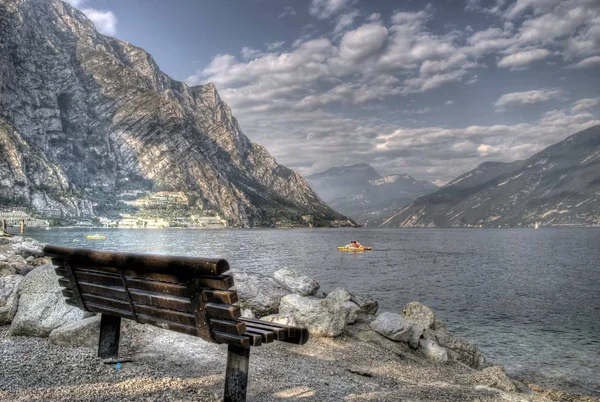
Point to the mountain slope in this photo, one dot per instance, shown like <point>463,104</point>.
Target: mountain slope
<point>363,194</point>
<point>557,186</point>
<point>100,115</point>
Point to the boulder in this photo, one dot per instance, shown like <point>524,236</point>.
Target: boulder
<point>284,319</point>
<point>368,305</point>
<point>28,249</point>
<point>297,283</point>
<point>353,311</point>
<point>42,307</point>
<point>247,313</point>
<point>433,351</point>
<point>339,295</point>
<point>419,315</point>
<point>458,349</point>
<point>7,269</point>
<point>9,297</point>
<point>24,269</point>
<point>259,293</point>
<point>3,257</point>
<point>398,348</point>
<point>393,326</point>
<point>17,259</point>
<point>324,317</point>
<point>495,377</point>
<point>84,333</point>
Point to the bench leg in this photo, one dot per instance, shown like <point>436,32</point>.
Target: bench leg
<point>110,332</point>
<point>236,374</point>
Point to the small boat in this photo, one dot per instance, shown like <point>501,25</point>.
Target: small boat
<point>346,248</point>
<point>95,237</point>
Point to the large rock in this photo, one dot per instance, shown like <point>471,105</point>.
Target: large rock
<point>42,307</point>
<point>458,349</point>
<point>495,377</point>
<point>84,333</point>
<point>284,319</point>
<point>368,305</point>
<point>30,248</point>
<point>297,283</point>
<point>7,269</point>
<point>419,315</point>
<point>323,317</point>
<point>393,326</point>
<point>433,351</point>
<point>339,295</point>
<point>344,298</point>
<point>259,293</point>
<point>9,297</point>
<point>370,336</point>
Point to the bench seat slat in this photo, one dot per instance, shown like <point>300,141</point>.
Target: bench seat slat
<point>237,340</point>
<point>106,302</point>
<point>98,279</point>
<point>267,336</point>
<point>60,271</point>
<point>222,311</point>
<point>158,277</point>
<point>221,282</point>
<point>280,333</point>
<point>106,291</point>
<point>97,269</point>
<point>219,296</point>
<point>231,327</point>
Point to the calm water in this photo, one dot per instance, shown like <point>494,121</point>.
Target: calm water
<point>530,299</point>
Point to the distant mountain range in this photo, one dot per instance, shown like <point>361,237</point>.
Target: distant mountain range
<point>86,118</point>
<point>557,186</point>
<point>360,192</point>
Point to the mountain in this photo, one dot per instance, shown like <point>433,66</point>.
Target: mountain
<point>360,192</point>
<point>557,186</point>
<point>341,181</point>
<point>85,117</point>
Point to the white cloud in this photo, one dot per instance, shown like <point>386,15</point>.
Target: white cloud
<point>589,62</point>
<point>274,45</point>
<point>586,105</point>
<point>104,20</point>
<point>346,20</point>
<point>523,58</point>
<point>287,12</point>
<point>249,53</point>
<point>448,103</point>
<point>516,99</point>
<point>324,9</point>
<point>364,42</point>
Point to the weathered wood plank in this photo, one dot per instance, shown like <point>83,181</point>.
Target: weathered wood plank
<point>230,339</point>
<point>159,277</point>
<point>98,279</point>
<point>267,336</point>
<point>96,308</point>
<point>184,329</point>
<point>106,301</point>
<point>231,327</point>
<point>222,311</point>
<point>105,291</point>
<point>220,296</point>
<point>160,300</point>
<point>236,374</point>
<point>221,282</point>
<point>65,283</point>
<point>67,293</point>
<point>295,335</point>
<point>96,269</point>
<point>158,287</point>
<point>142,262</point>
<point>60,271</point>
<point>166,315</point>
<point>110,332</point>
<point>280,333</point>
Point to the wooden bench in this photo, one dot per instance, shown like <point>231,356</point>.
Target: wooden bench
<point>183,294</point>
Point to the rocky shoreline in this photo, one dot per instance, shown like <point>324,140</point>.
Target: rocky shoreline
<point>355,353</point>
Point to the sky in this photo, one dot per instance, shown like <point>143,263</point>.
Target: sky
<point>430,89</point>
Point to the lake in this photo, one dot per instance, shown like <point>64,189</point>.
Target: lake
<point>529,299</point>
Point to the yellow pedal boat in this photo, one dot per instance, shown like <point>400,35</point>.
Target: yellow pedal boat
<point>95,237</point>
<point>346,248</point>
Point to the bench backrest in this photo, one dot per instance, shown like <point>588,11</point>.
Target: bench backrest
<point>183,294</point>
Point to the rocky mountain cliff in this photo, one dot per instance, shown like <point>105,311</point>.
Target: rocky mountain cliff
<point>557,186</point>
<point>84,116</point>
<point>361,192</point>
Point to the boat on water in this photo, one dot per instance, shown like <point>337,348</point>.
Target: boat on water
<point>346,248</point>
<point>95,237</point>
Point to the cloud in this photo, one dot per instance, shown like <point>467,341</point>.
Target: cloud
<point>585,105</point>
<point>104,20</point>
<point>346,20</point>
<point>287,12</point>
<point>364,42</point>
<point>448,103</point>
<point>274,45</point>
<point>523,58</point>
<point>249,53</point>
<point>516,99</point>
<point>587,63</point>
<point>323,9</point>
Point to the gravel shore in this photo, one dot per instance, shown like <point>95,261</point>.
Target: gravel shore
<point>170,367</point>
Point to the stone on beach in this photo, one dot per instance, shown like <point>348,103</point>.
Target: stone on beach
<point>259,293</point>
<point>495,377</point>
<point>8,297</point>
<point>41,306</point>
<point>322,317</point>
<point>419,314</point>
<point>433,351</point>
<point>458,349</point>
<point>367,304</point>
<point>84,333</point>
<point>7,269</point>
<point>284,319</point>
<point>297,283</point>
<point>393,326</point>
